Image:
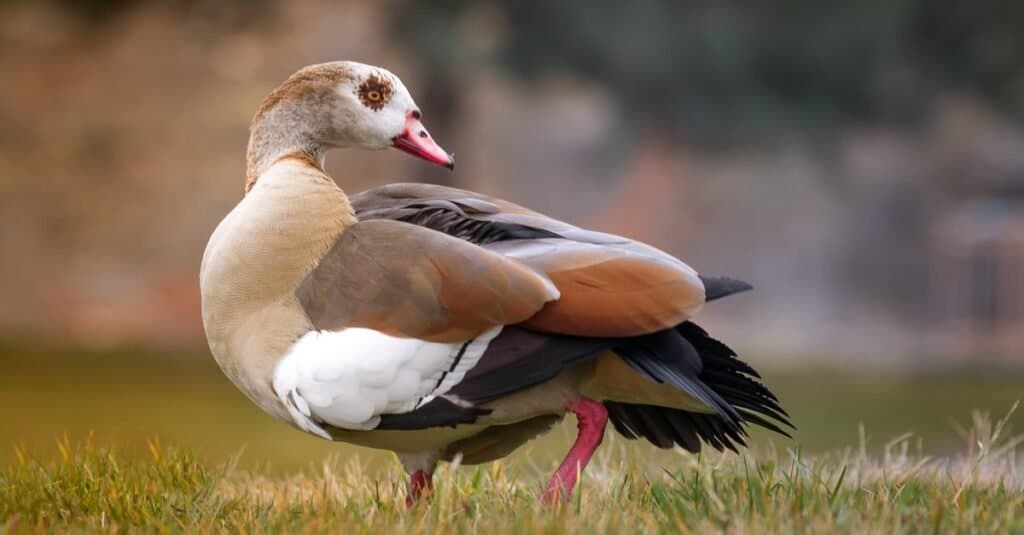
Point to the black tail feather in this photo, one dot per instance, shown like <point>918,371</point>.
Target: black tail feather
<point>617,414</point>
<point>765,423</point>
<point>731,385</point>
<point>668,357</point>
<point>686,435</point>
<point>719,287</point>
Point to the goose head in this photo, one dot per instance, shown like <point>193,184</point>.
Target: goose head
<point>342,104</point>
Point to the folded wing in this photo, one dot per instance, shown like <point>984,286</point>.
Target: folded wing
<point>401,314</point>
<point>409,281</point>
<point>610,286</point>
<point>430,271</point>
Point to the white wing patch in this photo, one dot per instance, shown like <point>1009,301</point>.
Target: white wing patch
<point>349,378</point>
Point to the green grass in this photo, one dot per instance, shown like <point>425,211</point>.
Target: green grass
<point>81,451</point>
<point>88,488</point>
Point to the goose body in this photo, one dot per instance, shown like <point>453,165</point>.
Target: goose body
<point>436,322</point>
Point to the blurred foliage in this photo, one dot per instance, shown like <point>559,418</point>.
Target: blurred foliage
<point>716,70</point>
<point>94,14</point>
<point>713,71</point>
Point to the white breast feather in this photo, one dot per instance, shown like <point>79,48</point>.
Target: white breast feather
<point>348,379</point>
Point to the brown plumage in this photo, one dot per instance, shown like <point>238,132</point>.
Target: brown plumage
<point>441,323</point>
<point>412,282</point>
<point>610,286</point>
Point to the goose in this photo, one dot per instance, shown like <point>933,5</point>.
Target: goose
<point>444,324</point>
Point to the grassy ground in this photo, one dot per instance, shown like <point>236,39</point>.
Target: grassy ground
<point>225,465</point>
<point>90,489</point>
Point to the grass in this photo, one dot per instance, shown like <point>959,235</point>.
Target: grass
<point>89,488</point>
<point>228,467</point>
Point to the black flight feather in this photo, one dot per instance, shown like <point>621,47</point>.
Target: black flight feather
<point>439,412</point>
<point>730,380</point>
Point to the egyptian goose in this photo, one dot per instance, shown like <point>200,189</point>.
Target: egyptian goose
<point>440,323</point>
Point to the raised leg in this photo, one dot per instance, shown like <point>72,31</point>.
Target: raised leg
<point>420,467</point>
<point>591,417</point>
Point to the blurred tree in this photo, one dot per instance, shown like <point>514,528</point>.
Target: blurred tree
<point>976,44</point>
<point>723,72</point>
<point>714,72</point>
<point>94,14</point>
<point>741,71</point>
<point>427,31</point>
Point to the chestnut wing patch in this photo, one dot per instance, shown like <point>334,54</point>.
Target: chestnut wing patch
<point>609,285</point>
<point>409,281</point>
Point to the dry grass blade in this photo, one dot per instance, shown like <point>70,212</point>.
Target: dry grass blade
<point>91,488</point>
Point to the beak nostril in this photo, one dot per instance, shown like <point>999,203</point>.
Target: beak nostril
<point>415,140</point>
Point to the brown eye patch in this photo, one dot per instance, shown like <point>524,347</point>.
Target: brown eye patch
<point>375,92</point>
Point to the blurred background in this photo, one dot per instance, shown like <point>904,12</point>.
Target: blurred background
<point>861,163</point>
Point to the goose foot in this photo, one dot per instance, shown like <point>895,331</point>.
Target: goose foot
<point>421,483</point>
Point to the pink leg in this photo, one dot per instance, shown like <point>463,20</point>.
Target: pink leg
<point>591,417</point>
<point>421,482</point>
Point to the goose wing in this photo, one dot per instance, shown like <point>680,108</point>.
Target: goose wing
<point>409,281</point>
<point>610,286</point>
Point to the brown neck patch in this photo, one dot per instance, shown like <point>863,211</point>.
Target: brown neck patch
<point>311,79</point>
<point>269,132</point>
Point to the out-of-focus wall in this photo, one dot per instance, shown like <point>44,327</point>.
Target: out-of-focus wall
<point>122,145</point>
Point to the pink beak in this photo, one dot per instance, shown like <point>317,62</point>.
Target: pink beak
<point>416,141</point>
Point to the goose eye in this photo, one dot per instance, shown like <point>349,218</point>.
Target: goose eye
<point>375,92</point>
